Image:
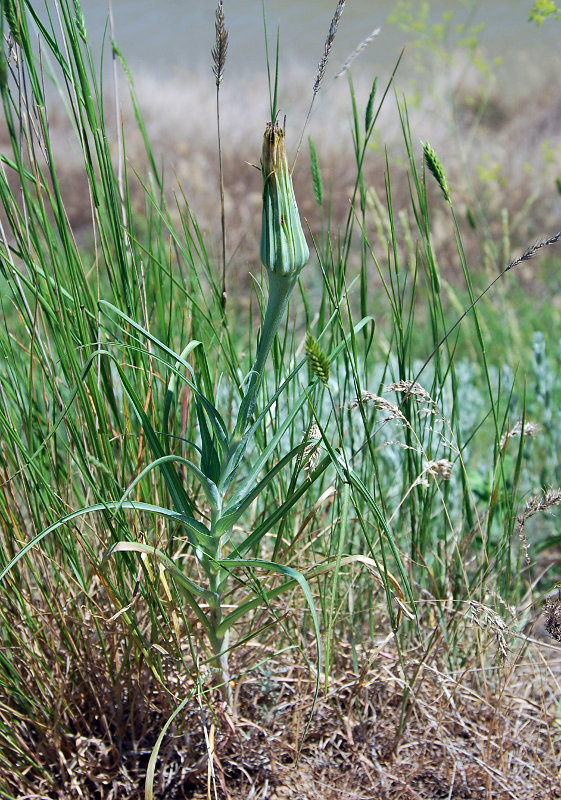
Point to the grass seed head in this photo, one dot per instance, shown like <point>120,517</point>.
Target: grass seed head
<point>12,13</point>
<point>442,468</point>
<point>284,250</point>
<point>552,612</point>
<point>433,164</point>
<point>311,453</point>
<point>220,49</point>
<point>328,45</point>
<point>317,359</point>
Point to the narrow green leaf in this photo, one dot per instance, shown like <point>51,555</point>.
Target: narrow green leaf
<point>235,509</point>
<point>208,486</point>
<point>195,529</point>
<point>151,768</point>
<point>370,107</point>
<point>317,183</point>
<point>217,422</point>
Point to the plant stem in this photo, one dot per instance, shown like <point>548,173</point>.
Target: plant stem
<point>220,643</point>
<point>280,289</point>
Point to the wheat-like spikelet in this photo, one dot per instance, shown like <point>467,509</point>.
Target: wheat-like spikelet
<point>80,21</point>
<point>434,165</point>
<point>311,453</point>
<point>12,11</point>
<point>328,44</point>
<point>220,49</point>
<point>316,173</point>
<point>317,360</point>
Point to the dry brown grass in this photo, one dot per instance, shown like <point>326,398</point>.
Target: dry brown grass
<point>466,735</point>
<point>484,728</point>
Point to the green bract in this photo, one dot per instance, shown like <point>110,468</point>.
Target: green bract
<point>283,245</point>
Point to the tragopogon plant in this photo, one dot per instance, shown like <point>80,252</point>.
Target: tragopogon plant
<point>212,483</point>
<point>284,253</point>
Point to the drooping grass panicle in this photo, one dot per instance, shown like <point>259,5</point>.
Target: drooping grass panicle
<point>348,62</point>
<point>389,409</point>
<point>533,249</point>
<point>434,165</point>
<point>487,619</point>
<point>537,503</point>
<point>440,468</point>
<point>410,389</point>
<point>519,429</point>
<point>328,45</point>
<point>540,503</point>
<point>220,49</point>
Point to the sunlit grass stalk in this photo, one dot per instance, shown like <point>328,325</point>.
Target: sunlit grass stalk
<point>219,53</point>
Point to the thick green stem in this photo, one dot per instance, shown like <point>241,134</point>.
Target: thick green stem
<point>220,646</point>
<point>220,642</point>
<point>280,289</point>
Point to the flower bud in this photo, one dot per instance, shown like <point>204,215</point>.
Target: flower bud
<point>283,245</point>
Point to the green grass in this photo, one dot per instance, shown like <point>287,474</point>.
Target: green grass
<point>162,512</point>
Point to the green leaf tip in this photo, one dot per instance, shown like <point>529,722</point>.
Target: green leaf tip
<point>284,250</point>
<point>433,164</point>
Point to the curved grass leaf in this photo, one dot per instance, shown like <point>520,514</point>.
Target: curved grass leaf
<point>299,578</point>
<point>235,509</point>
<point>255,537</point>
<point>151,768</point>
<point>197,532</point>
<point>208,486</point>
<point>170,393</point>
<point>348,475</point>
<point>234,461</point>
<point>189,587</point>
<point>179,496</point>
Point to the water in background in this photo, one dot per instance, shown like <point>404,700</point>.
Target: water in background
<point>175,36</point>
<point>168,45</point>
